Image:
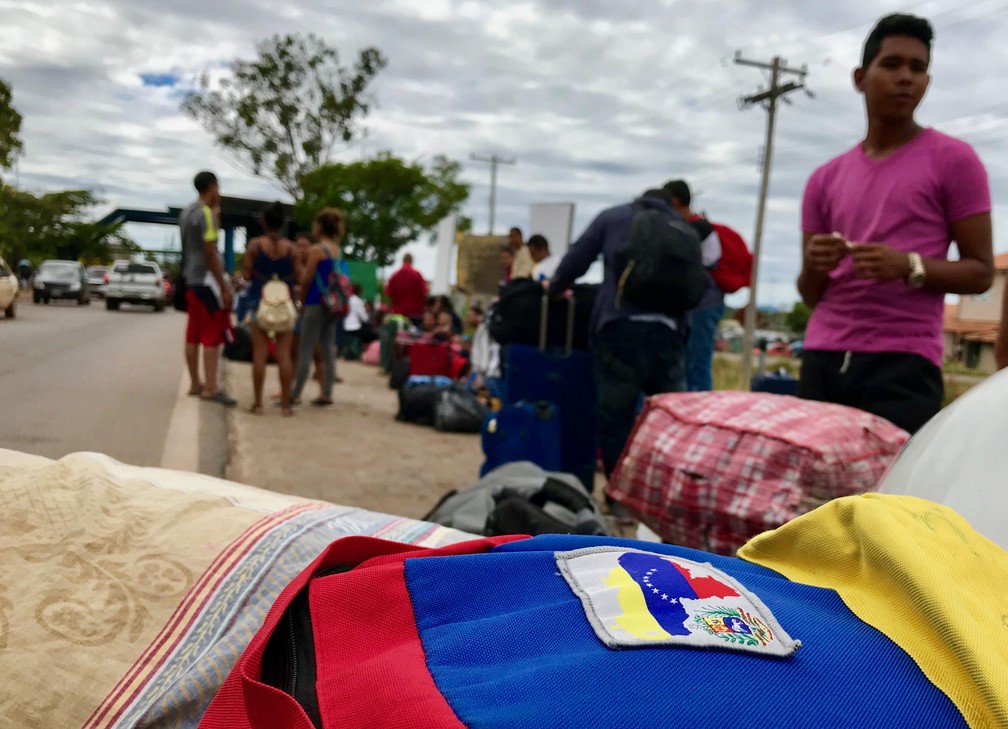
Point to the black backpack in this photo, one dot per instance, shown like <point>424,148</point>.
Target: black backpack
<point>660,268</point>
<point>239,349</point>
<point>516,317</point>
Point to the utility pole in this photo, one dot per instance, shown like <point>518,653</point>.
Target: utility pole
<point>493,161</point>
<point>769,99</point>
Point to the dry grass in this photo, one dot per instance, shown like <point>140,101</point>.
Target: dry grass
<point>728,374</point>
<point>955,388</point>
<point>727,369</point>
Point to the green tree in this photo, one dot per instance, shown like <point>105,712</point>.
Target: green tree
<point>282,114</point>
<point>10,128</point>
<point>387,202</point>
<point>55,225</point>
<point>798,318</point>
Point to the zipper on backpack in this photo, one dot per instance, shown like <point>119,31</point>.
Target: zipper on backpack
<point>290,679</point>
<point>289,661</point>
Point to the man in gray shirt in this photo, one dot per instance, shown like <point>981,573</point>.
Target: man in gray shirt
<point>208,294</point>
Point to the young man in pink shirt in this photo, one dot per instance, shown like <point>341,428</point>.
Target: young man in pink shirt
<point>877,225</point>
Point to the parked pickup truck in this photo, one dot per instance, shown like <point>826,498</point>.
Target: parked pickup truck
<point>135,282</point>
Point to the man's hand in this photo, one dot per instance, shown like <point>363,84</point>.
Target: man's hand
<point>227,299</point>
<point>824,251</point>
<point>879,262</point>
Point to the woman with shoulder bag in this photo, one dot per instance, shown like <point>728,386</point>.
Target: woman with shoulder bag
<point>270,263</point>
<point>318,325</point>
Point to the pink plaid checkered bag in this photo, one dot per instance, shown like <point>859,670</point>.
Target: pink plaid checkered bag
<point>710,470</point>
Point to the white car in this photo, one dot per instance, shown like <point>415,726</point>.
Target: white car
<point>135,282</point>
<point>8,290</point>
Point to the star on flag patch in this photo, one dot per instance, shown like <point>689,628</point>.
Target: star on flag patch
<point>636,599</point>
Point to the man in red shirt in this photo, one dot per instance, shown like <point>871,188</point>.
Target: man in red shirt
<point>407,290</point>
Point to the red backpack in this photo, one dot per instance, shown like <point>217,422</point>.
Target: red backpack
<point>734,270</point>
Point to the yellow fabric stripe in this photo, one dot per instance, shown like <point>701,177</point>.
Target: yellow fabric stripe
<point>919,573</point>
<point>210,233</point>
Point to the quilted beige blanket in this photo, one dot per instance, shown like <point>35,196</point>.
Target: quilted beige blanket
<point>126,594</point>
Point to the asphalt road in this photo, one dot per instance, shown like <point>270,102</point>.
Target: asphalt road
<point>80,378</point>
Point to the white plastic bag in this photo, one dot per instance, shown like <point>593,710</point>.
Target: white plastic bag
<point>960,459</point>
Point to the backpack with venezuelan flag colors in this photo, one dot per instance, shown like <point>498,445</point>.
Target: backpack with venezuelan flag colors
<point>872,611</point>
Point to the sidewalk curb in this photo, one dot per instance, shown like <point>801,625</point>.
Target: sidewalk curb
<point>181,448</point>
<point>199,434</point>
<point>231,459</point>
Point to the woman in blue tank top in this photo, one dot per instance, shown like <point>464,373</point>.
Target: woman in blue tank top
<point>265,257</point>
<point>318,327</point>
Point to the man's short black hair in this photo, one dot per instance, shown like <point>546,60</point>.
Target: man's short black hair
<point>538,241</point>
<point>515,230</point>
<point>660,193</point>
<point>679,190</point>
<point>897,24</point>
<point>204,180</point>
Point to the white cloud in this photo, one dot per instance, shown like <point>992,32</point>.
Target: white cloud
<point>596,100</point>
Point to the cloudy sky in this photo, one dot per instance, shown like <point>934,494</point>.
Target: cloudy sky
<point>596,100</point>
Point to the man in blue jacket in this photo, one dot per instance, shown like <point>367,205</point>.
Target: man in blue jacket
<point>635,351</point>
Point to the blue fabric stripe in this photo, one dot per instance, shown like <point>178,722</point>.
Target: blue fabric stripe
<point>509,645</point>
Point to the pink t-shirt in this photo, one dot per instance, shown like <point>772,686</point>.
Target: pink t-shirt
<point>908,200</point>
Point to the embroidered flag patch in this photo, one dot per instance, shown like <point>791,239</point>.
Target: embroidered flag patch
<point>636,599</point>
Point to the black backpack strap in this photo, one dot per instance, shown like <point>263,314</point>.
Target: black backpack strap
<point>703,228</point>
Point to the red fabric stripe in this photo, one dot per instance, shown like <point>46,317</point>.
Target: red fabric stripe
<point>375,670</point>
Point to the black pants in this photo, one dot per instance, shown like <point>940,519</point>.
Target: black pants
<point>905,389</point>
<point>632,359</point>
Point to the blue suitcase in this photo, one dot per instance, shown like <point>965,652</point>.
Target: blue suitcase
<point>564,376</point>
<point>777,383</point>
<point>526,431</point>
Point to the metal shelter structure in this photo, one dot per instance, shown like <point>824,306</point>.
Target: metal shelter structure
<point>236,212</point>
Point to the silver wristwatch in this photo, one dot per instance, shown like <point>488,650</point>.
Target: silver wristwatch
<point>918,274</point>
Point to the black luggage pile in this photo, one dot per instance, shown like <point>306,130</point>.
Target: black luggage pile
<point>442,403</point>
<point>547,369</point>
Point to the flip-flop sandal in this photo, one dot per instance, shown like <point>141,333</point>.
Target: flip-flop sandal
<point>196,392</point>
<point>287,412</point>
<point>221,397</point>
<point>320,402</point>
<point>255,410</point>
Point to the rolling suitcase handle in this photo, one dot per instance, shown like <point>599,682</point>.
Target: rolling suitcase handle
<point>544,323</point>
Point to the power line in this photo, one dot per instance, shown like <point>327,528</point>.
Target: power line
<point>493,161</point>
<point>769,99</point>
<point>966,12</point>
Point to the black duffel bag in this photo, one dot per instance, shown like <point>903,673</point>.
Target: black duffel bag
<point>459,411</point>
<point>417,403</point>
<point>516,316</point>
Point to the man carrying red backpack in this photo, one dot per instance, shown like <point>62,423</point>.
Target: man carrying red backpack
<point>731,270</point>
